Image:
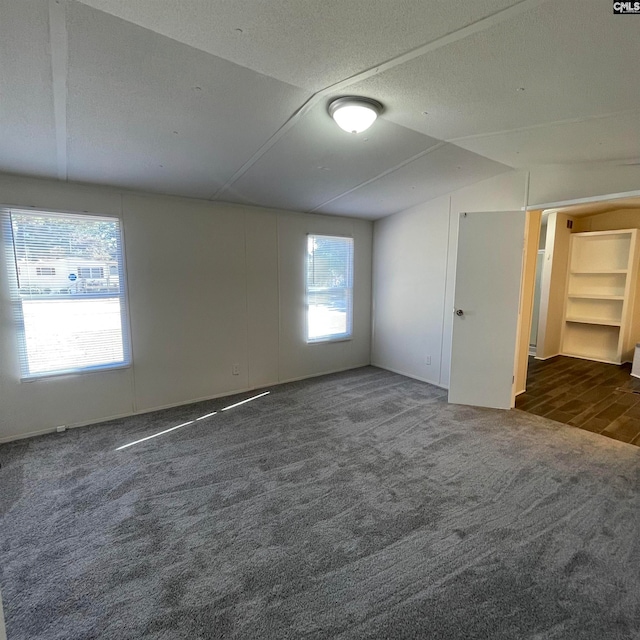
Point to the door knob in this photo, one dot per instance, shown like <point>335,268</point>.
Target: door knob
<point>459,312</point>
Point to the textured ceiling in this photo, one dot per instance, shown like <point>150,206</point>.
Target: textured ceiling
<point>445,169</point>
<point>312,43</point>
<point>318,162</point>
<point>151,113</point>
<point>539,67</point>
<point>582,140</point>
<point>227,100</point>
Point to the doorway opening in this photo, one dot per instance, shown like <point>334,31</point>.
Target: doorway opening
<point>581,281</point>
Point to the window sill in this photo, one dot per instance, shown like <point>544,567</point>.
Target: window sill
<point>73,373</point>
<point>325,340</point>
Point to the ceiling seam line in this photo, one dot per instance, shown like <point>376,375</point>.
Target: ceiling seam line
<point>459,34</point>
<point>399,166</point>
<point>293,119</point>
<point>533,127</point>
<point>59,44</point>
<point>481,24</point>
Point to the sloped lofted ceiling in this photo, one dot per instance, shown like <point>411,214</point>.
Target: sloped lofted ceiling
<point>227,100</point>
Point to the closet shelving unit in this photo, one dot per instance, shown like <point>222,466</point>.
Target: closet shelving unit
<point>602,287</point>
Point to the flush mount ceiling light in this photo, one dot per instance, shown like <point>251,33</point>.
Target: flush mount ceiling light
<point>354,114</point>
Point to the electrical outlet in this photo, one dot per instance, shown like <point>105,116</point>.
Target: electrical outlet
<point>428,359</point>
<point>235,370</point>
<point>61,429</point>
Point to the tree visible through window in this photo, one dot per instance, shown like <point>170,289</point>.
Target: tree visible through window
<point>68,292</point>
<point>329,284</point>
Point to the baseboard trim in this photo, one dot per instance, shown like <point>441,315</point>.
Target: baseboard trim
<point>87,423</point>
<point>317,375</point>
<point>119,416</point>
<point>410,375</point>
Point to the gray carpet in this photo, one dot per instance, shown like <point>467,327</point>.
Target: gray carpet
<point>357,505</point>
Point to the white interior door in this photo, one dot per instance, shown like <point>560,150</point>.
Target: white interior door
<point>487,300</point>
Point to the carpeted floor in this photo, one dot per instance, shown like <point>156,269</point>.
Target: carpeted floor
<point>357,505</point>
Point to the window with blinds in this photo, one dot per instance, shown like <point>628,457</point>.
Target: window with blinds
<point>329,284</point>
<point>67,287</point>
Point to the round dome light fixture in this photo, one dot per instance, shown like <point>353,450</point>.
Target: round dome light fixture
<point>354,114</point>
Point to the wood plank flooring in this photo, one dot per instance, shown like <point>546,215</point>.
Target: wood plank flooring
<point>602,398</point>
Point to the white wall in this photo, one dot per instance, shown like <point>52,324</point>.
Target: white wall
<point>557,183</point>
<point>414,276</point>
<point>409,272</point>
<point>415,259</point>
<point>209,284</point>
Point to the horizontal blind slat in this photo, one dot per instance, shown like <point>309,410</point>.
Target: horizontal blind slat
<point>329,287</point>
<point>69,287</point>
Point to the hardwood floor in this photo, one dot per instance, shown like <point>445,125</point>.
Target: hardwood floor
<point>602,398</point>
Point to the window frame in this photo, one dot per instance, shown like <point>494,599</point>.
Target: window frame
<point>342,337</point>
<point>15,299</point>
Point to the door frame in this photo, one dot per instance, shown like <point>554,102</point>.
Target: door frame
<point>525,324</point>
<point>577,201</point>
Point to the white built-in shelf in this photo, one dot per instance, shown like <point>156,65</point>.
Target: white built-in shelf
<point>604,321</point>
<point>584,272</point>
<point>601,286</point>
<point>595,296</point>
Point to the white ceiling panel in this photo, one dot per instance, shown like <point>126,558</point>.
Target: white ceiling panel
<point>150,113</point>
<point>203,98</point>
<point>593,140</point>
<point>27,131</point>
<point>573,59</point>
<point>446,169</point>
<point>311,44</point>
<point>316,161</point>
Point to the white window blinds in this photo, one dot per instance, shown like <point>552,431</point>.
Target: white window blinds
<point>68,292</point>
<point>329,280</point>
